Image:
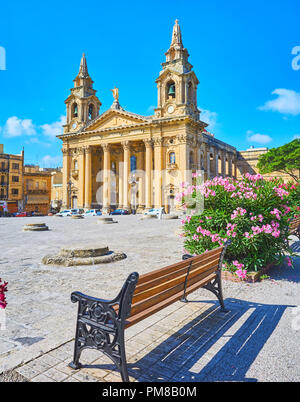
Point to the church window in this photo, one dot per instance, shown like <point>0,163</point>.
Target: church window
<point>190,92</point>
<point>132,163</point>
<point>91,112</point>
<point>191,159</point>
<point>172,158</point>
<point>75,165</point>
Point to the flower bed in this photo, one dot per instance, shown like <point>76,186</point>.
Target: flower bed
<point>253,212</point>
<point>248,277</point>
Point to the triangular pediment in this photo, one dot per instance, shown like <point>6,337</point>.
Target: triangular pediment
<point>115,118</point>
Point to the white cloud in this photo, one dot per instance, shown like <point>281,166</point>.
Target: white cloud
<point>296,136</point>
<point>287,102</point>
<point>51,161</point>
<point>210,118</point>
<point>53,129</point>
<point>151,109</point>
<point>258,138</point>
<point>15,127</point>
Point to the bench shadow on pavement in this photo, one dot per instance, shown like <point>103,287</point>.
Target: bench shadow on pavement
<point>295,247</point>
<point>214,346</point>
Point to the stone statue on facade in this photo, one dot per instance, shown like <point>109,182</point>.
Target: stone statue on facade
<point>115,92</point>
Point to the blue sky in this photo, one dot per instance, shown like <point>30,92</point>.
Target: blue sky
<point>241,51</point>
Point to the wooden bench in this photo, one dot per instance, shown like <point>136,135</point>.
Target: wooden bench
<point>294,227</point>
<point>101,323</point>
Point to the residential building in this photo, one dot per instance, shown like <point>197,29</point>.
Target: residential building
<point>11,181</point>
<point>37,189</point>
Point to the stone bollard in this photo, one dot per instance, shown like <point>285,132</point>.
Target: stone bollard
<point>106,220</point>
<point>77,216</point>
<point>35,227</point>
<point>83,255</point>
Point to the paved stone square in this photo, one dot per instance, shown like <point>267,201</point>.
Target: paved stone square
<point>256,340</point>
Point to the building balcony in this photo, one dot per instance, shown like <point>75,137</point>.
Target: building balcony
<point>4,170</point>
<point>37,191</point>
<point>3,183</point>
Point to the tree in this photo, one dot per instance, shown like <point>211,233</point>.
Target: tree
<point>284,159</point>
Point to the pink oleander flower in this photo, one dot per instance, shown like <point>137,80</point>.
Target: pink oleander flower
<point>199,228</point>
<point>215,238</point>
<point>276,233</point>
<point>241,273</point>
<point>3,289</point>
<point>195,237</point>
<point>289,261</point>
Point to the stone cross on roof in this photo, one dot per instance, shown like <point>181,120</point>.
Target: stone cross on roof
<point>83,70</point>
<point>176,35</point>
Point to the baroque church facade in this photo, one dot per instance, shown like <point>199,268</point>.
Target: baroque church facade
<point>126,160</point>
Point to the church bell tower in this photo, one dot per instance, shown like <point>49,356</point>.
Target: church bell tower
<point>83,104</point>
<point>177,83</point>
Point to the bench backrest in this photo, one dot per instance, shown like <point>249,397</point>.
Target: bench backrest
<point>158,289</point>
<point>294,224</point>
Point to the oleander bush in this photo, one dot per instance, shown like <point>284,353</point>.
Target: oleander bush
<point>253,212</point>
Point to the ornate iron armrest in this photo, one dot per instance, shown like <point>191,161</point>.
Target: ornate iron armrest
<point>99,326</point>
<point>186,256</point>
<point>78,297</point>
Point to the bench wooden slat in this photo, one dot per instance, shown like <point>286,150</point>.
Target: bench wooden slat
<point>169,283</point>
<point>167,292</point>
<point>133,319</point>
<point>170,268</point>
<point>174,274</point>
<point>294,224</point>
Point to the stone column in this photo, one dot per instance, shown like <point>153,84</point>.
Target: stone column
<point>121,177</point>
<point>66,177</point>
<point>234,166</point>
<point>81,177</point>
<point>208,163</point>
<point>223,164</point>
<point>230,164</point>
<point>148,178</point>
<point>158,172</point>
<point>88,177</point>
<point>126,172</point>
<point>106,178</point>
<point>184,157</point>
<point>141,180</point>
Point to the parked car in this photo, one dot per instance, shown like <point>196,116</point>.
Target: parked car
<point>119,211</point>
<point>155,211</point>
<point>70,212</point>
<point>22,214</point>
<point>66,212</point>
<point>77,211</point>
<point>93,212</point>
